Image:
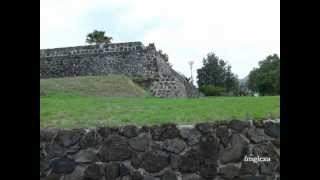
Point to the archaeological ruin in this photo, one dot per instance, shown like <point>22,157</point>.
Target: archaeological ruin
<point>144,64</point>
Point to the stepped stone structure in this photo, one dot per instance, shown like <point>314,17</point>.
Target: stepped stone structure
<point>144,64</point>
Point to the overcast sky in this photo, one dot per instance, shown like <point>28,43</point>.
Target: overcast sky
<point>242,32</point>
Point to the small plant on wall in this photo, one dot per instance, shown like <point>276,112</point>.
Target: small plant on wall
<point>98,37</point>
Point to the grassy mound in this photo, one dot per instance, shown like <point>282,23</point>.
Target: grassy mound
<point>105,86</point>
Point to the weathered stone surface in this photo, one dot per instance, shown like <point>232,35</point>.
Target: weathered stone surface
<point>148,177</point>
<point>258,124</point>
<point>166,131</point>
<point>112,171</point>
<point>204,128</point>
<point>53,176</point>
<point>63,165</point>
<point>123,169</point>
<point>222,178</point>
<point>276,142</point>
<point>47,134</point>
<point>94,172</point>
<point>174,145</point>
<point>89,140</point>
<point>115,148</point>
<point>237,150</point>
<point>126,178</point>
<point>209,148</point>
<point>254,178</point>
<point>174,161</point>
<point>154,161</point>
<point>229,171</point>
<point>208,171</point>
<point>54,150</point>
<point>278,167</point>
<point>239,125</point>
<point>191,177</point>
<point>67,138</point>
<point>256,135</point>
<point>189,162</point>
<point>77,174</point>
<point>105,132</point>
<point>223,134</point>
<point>72,150</point>
<point>140,143</point>
<point>145,130</point>
<point>86,156</point>
<point>169,175</point>
<point>136,175</point>
<point>248,168</point>
<point>44,164</point>
<point>216,154</point>
<point>136,160</point>
<point>191,136</point>
<point>265,150</point>
<point>156,146</point>
<point>268,168</point>
<point>129,131</point>
<point>272,129</point>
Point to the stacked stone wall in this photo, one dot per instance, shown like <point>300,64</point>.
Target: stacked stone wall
<point>132,59</point>
<point>92,49</point>
<point>206,151</point>
<point>126,59</point>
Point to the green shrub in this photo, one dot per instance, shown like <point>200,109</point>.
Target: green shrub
<point>211,90</point>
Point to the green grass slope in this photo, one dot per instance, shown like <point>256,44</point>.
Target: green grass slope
<point>70,111</point>
<point>102,86</point>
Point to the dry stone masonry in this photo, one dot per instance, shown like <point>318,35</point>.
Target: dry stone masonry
<point>207,151</point>
<point>143,64</point>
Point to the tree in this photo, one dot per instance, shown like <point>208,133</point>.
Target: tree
<point>266,79</point>
<point>231,82</point>
<point>98,37</point>
<point>217,73</point>
<point>212,72</point>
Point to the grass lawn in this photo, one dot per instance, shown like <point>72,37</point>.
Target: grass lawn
<point>106,86</point>
<point>70,111</point>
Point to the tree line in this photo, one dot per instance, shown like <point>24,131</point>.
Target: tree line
<point>215,78</point>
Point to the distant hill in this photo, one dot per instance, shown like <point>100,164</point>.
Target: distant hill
<point>107,86</point>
